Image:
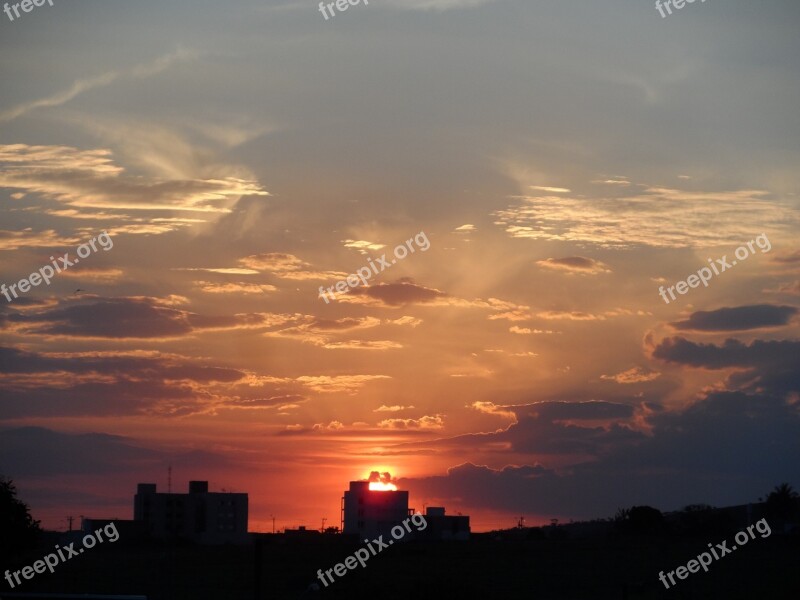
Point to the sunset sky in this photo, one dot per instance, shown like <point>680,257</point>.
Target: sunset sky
<point>563,158</point>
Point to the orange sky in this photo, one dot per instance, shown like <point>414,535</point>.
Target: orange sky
<point>519,362</point>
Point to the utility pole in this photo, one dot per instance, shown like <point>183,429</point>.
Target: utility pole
<point>69,520</point>
<point>273,523</point>
<point>323,525</point>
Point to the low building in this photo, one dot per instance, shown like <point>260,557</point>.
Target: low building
<point>444,527</point>
<point>129,531</point>
<point>200,516</point>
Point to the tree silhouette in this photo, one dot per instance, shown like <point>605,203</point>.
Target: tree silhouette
<point>783,502</point>
<point>19,530</point>
<point>639,519</point>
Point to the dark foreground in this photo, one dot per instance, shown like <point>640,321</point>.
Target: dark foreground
<point>608,567</point>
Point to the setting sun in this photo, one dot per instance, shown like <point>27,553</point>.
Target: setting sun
<point>381,481</point>
<point>379,486</point>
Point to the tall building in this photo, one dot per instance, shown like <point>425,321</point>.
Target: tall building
<point>370,513</point>
<point>201,516</point>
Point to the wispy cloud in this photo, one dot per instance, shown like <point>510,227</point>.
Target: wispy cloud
<point>84,85</point>
<point>575,264</point>
<point>657,217</point>
<point>90,179</point>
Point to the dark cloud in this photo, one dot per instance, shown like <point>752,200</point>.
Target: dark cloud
<point>156,365</point>
<point>771,366</point>
<point>39,384</point>
<point>61,473</point>
<point>398,294</point>
<point>37,451</point>
<point>124,318</point>
<point>740,318</point>
<point>728,448</point>
<point>787,259</point>
<point>550,428</point>
<point>273,401</point>
<point>592,410</point>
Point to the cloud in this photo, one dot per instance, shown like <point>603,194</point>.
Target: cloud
<point>679,463</point>
<point>620,180</point>
<point>27,238</point>
<point>411,321</point>
<point>787,258</point>
<point>638,220</point>
<point>325,332</point>
<point>569,315</point>
<point>278,403</point>
<point>552,190</point>
<point>575,264</point>
<point>347,384</point>
<point>528,331</point>
<point>581,430</point>
<point>332,426</point>
<point>89,179</point>
<point>221,271</point>
<point>740,318</point>
<point>83,85</point>
<point>792,288</point>
<point>128,318</point>
<point>764,366</point>
<point>234,287</point>
<point>39,452</point>
<point>490,408</point>
<point>101,276</point>
<point>113,383</point>
<point>395,408</point>
<point>576,315</point>
<point>633,375</point>
<point>394,294</point>
<point>362,245</point>
<point>423,423</point>
<point>362,345</point>
<point>287,266</point>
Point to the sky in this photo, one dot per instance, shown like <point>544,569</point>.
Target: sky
<point>549,168</point>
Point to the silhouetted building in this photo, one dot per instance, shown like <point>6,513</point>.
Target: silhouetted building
<point>130,531</point>
<point>444,527</point>
<point>301,533</point>
<point>370,513</point>
<point>201,516</point>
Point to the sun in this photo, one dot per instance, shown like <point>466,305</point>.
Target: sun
<point>380,480</point>
<point>379,486</point>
